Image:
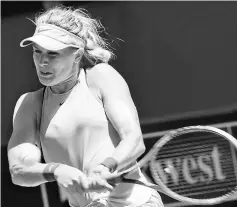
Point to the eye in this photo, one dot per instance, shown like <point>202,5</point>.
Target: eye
<point>36,51</point>
<point>53,54</point>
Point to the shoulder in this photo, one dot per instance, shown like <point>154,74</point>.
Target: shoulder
<point>102,68</point>
<point>30,101</point>
<point>31,97</point>
<point>37,96</point>
<point>104,75</point>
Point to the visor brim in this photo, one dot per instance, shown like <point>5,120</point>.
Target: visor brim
<point>45,42</point>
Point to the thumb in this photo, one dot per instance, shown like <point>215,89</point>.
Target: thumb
<point>107,185</point>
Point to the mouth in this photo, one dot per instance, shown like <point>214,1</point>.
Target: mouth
<point>46,74</point>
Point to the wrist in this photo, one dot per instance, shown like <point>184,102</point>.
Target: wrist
<point>49,170</point>
<point>110,163</point>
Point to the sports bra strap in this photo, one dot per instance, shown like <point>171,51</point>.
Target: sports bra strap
<point>40,118</point>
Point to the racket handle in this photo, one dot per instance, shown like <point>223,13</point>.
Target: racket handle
<point>115,180</point>
<point>121,179</point>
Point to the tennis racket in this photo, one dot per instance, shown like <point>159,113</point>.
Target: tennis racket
<point>195,164</point>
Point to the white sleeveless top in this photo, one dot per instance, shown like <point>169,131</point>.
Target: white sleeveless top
<point>78,133</point>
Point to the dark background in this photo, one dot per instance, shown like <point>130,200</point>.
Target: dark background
<point>178,58</point>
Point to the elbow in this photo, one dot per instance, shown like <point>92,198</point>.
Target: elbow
<point>16,181</point>
<point>138,143</point>
<point>20,182</point>
<point>142,147</point>
<point>18,177</point>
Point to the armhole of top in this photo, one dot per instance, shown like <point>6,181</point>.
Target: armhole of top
<point>40,119</point>
<point>95,96</point>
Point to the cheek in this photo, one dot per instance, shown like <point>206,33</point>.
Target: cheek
<point>67,66</point>
<point>36,59</point>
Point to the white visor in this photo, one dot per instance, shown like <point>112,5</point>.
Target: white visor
<point>54,38</point>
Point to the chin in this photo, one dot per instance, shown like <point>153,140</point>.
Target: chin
<point>46,82</point>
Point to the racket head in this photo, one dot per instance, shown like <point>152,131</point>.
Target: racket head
<point>200,150</point>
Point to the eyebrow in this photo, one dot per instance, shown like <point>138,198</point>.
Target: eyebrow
<point>52,53</point>
<point>49,52</point>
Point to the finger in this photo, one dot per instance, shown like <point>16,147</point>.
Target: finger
<point>95,204</point>
<point>99,186</point>
<point>106,185</point>
<point>64,188</point>
<point>84,184</point>
<point>94,174</point>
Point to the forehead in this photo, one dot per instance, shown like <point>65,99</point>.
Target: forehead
<point>65,50</point>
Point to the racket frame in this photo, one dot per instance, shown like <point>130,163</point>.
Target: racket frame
<point>166,138</point>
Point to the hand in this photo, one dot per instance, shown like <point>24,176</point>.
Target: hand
<point>74,181</point>
<point>112,178</point>
<point>69,178</point>
<point>101,171</point>
<point>104,173</point>
<point>96,183</point>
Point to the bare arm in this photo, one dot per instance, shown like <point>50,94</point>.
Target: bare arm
<point>23,174</point>
<point>24,156</point>
<point>121,111</point>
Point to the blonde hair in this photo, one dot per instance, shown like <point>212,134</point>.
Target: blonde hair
<point>79,22</point>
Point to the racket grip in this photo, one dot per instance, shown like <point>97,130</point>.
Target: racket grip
<point>114,180</point>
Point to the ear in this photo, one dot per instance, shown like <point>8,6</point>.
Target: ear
<point>78,55</point>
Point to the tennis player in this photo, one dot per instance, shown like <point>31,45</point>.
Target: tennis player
<point>84,119</point>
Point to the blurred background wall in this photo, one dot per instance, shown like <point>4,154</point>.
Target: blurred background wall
<point>178,58</point>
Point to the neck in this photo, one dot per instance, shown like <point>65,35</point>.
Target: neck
<point>66,85</point>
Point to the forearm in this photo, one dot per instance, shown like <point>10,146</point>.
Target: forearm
<point>31,176</point>
<point>129,149</point>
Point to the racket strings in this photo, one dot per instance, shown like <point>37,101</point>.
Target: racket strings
<point>204,195</point>
<point>215,151</point>
<point>207,190</point>
<point>201,189</point>
<point>184,145</point>
<point>186,152</point>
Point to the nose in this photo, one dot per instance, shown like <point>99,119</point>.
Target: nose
<point>43,64</point>
<point>44,61</point>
